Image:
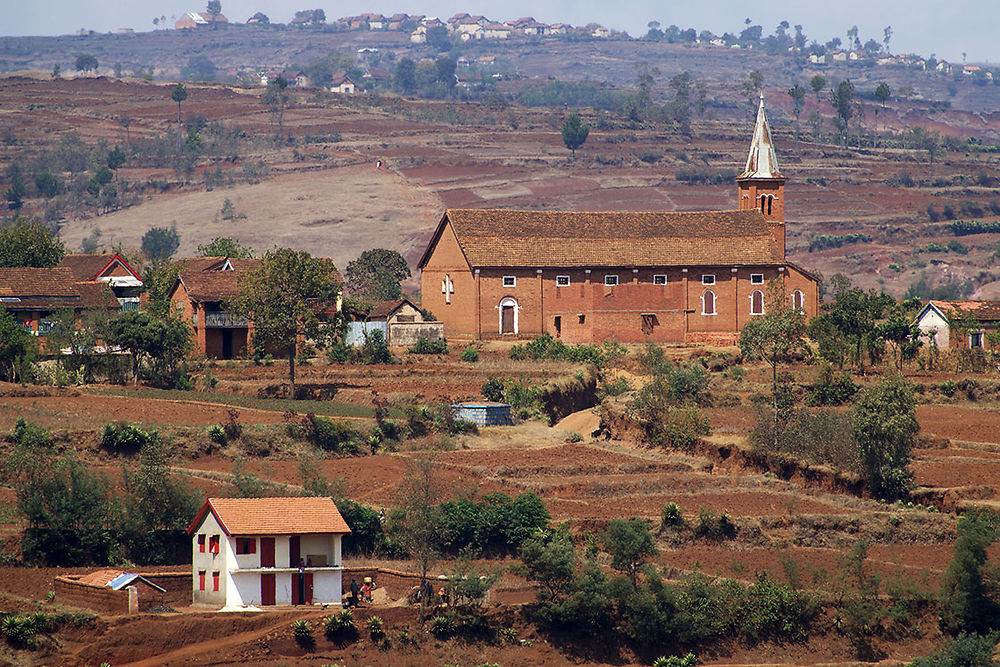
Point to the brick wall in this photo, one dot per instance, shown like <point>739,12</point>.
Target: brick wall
<point>407,333</point>
<point>104,600</point>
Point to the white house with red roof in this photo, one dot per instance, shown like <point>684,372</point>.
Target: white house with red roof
<point>251,552</point>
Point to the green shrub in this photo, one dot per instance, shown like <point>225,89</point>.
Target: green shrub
<point>714,526</point>
<point>374,350</point>
<point>671,516</point>
<point>965,650</point>
<point>338,353</point>
<point>547,347</point>
<point>470,354</point>
<point>30,435</point>
<point>302,632</point>
<point>947,387</point>
<point>125,438</point>
<point>217,435</point>
<point>338,437</point>
<point>184,383</point>
<point>493,389</point>
<point>429,346</point>
<point>340,626</point>
<point>442,627</point>
<point>689,660</point>
<point>831,388</point>
<point>376,627</point>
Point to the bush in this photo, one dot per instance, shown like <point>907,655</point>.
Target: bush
<point>374,350</point>
<point>493,389</point>
<point>217,435</point>
<point>470,354</point>
<point>429,346</point>
<point>714,526</point>
<point>30,435</point>
<point>442,627</point>
<point>964,651</point>
<point>495,524</point>
<point>831,388</point>
<point>121,438</point>
<point>673,661</point>
<point>340,626</point>
<point>947,387</point>
<point>547,347</point>
<point>376,627</point>
<point>338,437</point>
<point>302,632</point>
<point>671,516</point>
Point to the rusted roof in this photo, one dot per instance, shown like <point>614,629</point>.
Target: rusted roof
<point>383,309</point>
<point>566,239</point>
<point>100,577</point>
<point>983,311</point>
<point>86,267</point>
<point>273,516</point>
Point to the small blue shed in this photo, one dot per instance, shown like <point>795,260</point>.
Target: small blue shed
<point>486,413</point>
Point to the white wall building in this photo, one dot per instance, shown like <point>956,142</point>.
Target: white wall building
<point>248,552</point>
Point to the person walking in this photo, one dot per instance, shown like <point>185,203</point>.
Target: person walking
<point>302,581</point>
<point>353,601</point>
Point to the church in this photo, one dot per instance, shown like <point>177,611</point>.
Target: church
<point>632,277</point>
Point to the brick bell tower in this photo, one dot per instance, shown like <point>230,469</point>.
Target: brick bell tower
<point>761,185</point>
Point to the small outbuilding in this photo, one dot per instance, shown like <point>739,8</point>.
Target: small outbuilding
<point>486,413</point>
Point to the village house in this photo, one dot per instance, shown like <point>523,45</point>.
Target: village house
<point>199,297</point>
<point>107,270</point>
<point>631,277</point>
<point>343,84</point>
<point>249,552</point>
<point>199,20</point>
<point>963,325</point>
<point>34,296</point>
<point>400,321</point>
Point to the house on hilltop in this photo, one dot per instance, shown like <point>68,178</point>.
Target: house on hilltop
<point>627,276</point>
<point>267,551</point>
<point>199,20</point>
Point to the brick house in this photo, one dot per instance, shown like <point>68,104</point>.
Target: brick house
<point>961,325</point>
<point>625,276</point>
<point>110,270</point>
<point>34,295</point>
<point>253,551</point>
<point>199,297</point>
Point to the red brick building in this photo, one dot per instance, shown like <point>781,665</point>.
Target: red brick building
<point>631,277</point>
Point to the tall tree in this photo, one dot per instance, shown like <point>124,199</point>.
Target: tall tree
<point>886,36</point>
<point>86,63</point>
<point>282,299</point>
<point>630,543</point>
<point>798,95</point>
<point>404,79</point>
<point>214,8</point>
<point>376,274</point>
<point>29,244</point>
<point>842,99</point>
<point>885,425</point>
<point>773,337</point>
<point>160,243</point>
<point>276,98</point>
<point>882,95</point>
<point>817,83</point>
<point>222,246</point>
<point>574,132</point>
<point>680,106</point>
<point>420,526</point>
<point>161,342</point>
<point>179,94</point>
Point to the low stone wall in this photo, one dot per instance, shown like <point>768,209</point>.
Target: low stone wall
<point>407,333</point>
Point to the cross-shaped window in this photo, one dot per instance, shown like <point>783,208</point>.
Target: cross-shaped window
<point>447,288</point>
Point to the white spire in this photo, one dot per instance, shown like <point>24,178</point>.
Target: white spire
<point>762,161</point>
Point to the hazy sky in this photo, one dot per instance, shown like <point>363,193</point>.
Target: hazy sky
<point>946,29</point>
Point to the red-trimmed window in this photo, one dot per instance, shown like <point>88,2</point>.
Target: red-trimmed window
<point>215,581</point>
<point>201,544</point>
<point>213,544</point>
<point>201,580</point>
<point>246,545</point>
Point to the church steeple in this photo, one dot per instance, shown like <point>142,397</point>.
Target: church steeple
<point>761,185</point>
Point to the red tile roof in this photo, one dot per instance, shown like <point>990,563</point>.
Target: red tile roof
<point>527,239</point>
<point>274,516</point>
<point>383,309</point>
<point>97,295</point>
<point>100,577</point>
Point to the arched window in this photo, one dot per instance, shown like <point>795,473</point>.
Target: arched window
<point>708,303</point>
<point>798,301</point>
<point>766,202</point>
<point>756,302</point>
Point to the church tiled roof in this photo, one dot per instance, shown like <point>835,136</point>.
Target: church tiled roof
<point>534,239</point>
